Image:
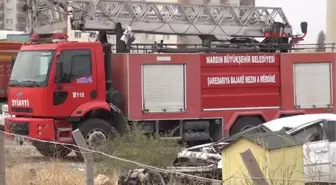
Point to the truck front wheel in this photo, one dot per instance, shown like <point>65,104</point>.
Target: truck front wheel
<point>51,149</point>
<point>95,132</point>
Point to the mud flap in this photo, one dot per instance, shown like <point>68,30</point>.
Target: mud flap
<point>122,120</point>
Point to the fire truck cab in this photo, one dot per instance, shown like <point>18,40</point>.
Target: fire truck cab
<point>53,86</point>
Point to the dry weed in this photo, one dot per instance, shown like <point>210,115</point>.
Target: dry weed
<point>24,166</point>
<point>49,174</point>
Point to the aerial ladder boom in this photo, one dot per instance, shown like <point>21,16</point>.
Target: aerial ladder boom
<point>176,19</point>
<point>160,18</point>
<point>209,22</point>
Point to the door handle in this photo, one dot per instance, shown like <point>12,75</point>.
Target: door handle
<point>324,150</point>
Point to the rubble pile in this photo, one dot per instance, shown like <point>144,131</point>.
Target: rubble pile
<point>150,177</point>
<point>143,176</point>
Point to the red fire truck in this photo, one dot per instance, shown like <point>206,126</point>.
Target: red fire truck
<point>197,94</point>
<point>8,50</point>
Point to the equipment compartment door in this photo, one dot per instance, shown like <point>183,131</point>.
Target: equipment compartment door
<point>312,85</point>
<point>163,88</point>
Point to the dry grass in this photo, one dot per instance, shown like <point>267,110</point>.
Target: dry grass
<point>50,174</point>
<point>24,166</point>
<point>24,172</point>
<point>148,150</point>
<point>21,170</point>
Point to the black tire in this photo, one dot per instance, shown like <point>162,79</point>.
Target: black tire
<point>51,149</point>
<point>245,122</point>
<point>89,125</point>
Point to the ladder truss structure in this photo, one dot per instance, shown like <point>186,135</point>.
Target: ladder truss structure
<point>46,16</point>
<point>158,18</point>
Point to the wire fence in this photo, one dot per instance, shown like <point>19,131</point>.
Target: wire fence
<point>100,167</point>
<point>88,156</point>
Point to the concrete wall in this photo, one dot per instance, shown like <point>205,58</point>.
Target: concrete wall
<point>196,39</point>
<point>247,2</point>
<point>331,22</point>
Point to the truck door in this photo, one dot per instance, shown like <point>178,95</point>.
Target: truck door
<point>78,84</point>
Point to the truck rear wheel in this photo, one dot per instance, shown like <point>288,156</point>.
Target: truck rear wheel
<point>51,149</point>
<point>95,132</point>
<point>245,122</point>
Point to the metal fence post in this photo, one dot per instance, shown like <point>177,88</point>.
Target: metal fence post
<point>88,157</point>
<point>2,159</point>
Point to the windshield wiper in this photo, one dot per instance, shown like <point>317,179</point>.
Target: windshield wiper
<point>13,83</point>
<point>30,83</point>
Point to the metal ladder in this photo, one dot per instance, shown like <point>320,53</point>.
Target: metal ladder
<point>158,17</point>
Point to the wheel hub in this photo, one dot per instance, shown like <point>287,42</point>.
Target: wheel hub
<point>95,138</point>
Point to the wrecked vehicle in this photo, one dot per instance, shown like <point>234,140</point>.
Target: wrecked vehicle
<point>316,131</point>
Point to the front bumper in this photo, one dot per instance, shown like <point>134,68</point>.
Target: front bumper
<point>37,128</point>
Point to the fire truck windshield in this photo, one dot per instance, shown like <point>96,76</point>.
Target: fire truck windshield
<point>31,68</point>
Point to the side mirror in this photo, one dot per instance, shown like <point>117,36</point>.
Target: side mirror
<point>304,27</point>
<point>59,69</point>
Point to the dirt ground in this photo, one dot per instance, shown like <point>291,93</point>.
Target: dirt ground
<point>26,153</point>
<point>24,165</point>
